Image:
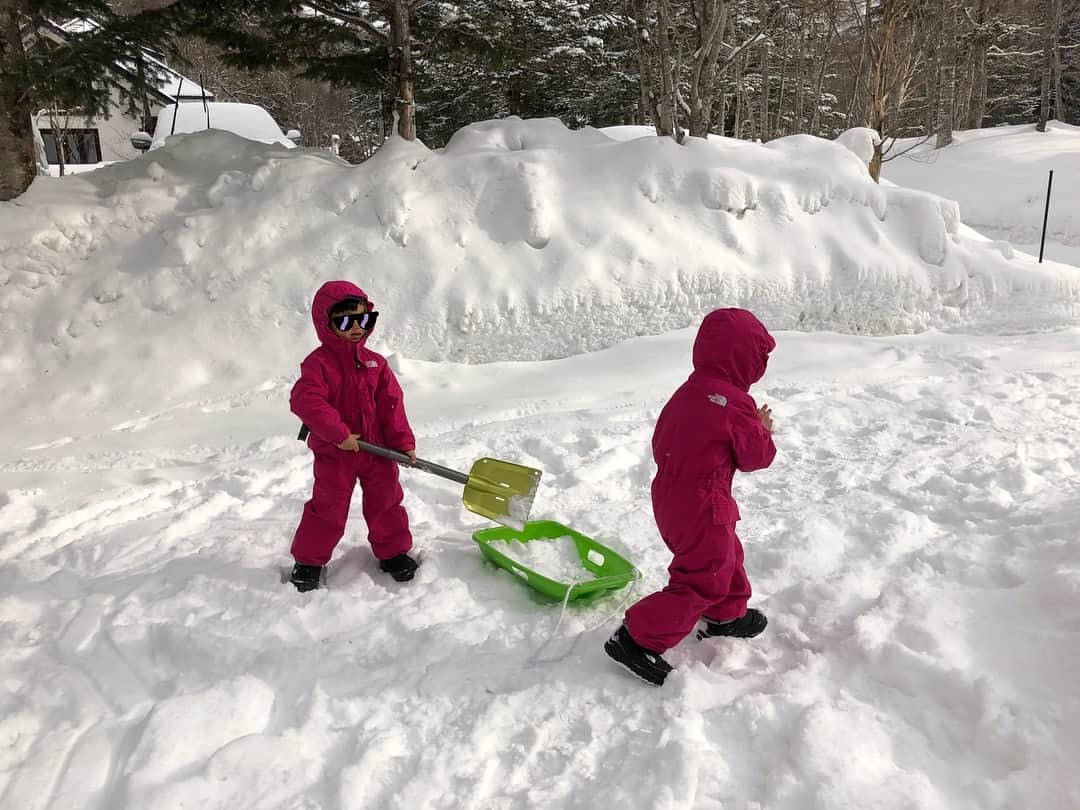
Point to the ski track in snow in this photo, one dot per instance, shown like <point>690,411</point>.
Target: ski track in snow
<point>913,545</point>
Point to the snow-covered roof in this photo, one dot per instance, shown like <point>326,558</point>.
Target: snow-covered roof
<point>172,84</point>
<point>175,84</point>
<point>246,120</point>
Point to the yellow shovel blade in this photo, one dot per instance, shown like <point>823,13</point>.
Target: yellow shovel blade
<point>501,491</point>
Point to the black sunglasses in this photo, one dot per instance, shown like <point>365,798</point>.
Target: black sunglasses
<point>343,323</point>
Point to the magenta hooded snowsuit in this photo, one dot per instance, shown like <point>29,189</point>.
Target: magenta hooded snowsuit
<point>346,388</point>
<point>708,429</point>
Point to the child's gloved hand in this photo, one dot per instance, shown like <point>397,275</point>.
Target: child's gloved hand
<point>350,444</point>
<point>412,457</point>
<point>765,413</point>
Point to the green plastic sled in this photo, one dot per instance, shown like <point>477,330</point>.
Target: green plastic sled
<point>602,568</point>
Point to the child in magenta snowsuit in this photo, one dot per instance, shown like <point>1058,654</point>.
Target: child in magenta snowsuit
<point>348,392</point>
<point>710,428</point>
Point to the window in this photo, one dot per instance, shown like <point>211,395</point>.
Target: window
<point>80,146</point>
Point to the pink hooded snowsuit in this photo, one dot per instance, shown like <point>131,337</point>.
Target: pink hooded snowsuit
<point>708,429</point>
<point>346,388</point>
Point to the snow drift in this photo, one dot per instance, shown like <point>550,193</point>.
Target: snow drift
<point>479,251</point>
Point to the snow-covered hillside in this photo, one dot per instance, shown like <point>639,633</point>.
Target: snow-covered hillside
<point>914,544</point>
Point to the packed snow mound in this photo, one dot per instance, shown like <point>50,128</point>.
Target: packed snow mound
<point>515,135</point>
<point>861,141</point>
<point>523,240</point>
<point>628,132</point>
<point>999,177</point>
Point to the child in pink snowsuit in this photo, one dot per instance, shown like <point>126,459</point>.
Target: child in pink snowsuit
<point>710,428</point>
<point>348,392</point>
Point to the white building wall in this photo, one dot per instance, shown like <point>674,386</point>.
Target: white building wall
<point>114,132</point>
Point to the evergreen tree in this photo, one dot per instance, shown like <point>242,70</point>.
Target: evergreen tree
<point>566,58</point>
<point>94,61</point>
<point>362,44</point>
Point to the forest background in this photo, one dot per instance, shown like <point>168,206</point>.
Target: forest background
<point>749,69</point>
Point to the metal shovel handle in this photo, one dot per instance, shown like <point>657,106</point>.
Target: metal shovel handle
<point>420,464</point>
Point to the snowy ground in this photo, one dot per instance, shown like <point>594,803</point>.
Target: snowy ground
<point>914,544</point>
<point>999,177</point>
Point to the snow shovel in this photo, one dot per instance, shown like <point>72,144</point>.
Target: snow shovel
<point>499,490</point>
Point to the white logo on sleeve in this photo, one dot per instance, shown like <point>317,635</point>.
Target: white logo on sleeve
<point>371,363</point>
<point>719,399</point>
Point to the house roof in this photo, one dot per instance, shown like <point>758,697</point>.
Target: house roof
<point>171,83</point>
<point>176,84</point>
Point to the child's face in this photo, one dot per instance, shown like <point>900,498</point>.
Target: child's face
<point>355,333</point>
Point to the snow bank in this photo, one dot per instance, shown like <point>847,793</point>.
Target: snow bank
<point>520,240</point>
<point>516,135</point>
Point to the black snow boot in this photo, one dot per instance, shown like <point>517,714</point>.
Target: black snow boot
<point>402,567</point>
<point>306,577</point>
<point>647,665</point>
<point>747,626</point>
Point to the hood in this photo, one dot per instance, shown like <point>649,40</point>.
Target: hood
<point>329,294</point>
<point>733,345</point>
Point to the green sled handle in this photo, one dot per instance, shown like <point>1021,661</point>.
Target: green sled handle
<point>499,490</point>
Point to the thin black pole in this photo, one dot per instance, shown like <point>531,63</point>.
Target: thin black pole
<point>1046,215</point>
<point>176,109</point>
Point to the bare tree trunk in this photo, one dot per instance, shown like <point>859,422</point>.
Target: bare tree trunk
<point>667,123</point>
<point>864,76</point>
<point>947,74</point>
<point>819,87</point>
<point>962,83</point>
<point>1058,23</point>
<point>778,124</point>
<point>879,98</point>
<point>765,132</point>
<point>800,75</point>
<point>721,113</point>
<point>60,134</point>
<point>1046,79</point>
<point>740,95</point>
<point>514,96</point>
<point>647,80</point>
<point>977,104</point>
<point>401,69</point>
<point>711,21</point>
<point>18,164</point>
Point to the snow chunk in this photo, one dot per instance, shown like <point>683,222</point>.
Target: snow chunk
<point>186,730</point>
<point>556,558</point>
<point>861,141</point>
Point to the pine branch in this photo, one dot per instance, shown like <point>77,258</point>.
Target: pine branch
<point>355,20</point>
